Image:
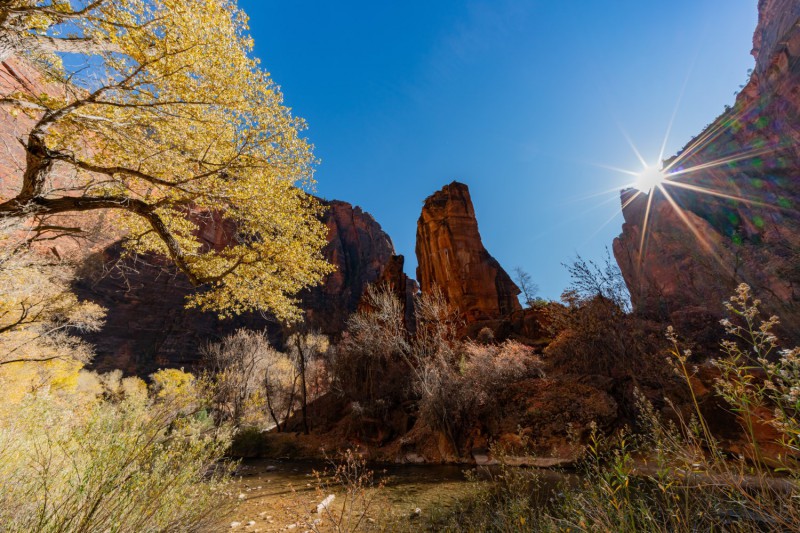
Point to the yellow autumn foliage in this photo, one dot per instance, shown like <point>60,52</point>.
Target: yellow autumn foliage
<point>168,121</point>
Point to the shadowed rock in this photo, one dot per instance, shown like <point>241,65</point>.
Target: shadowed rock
<point>148,326</point>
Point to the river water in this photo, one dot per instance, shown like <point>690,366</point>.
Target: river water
<point>275,495</point>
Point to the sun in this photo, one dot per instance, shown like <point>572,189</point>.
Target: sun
<point>649,178</point>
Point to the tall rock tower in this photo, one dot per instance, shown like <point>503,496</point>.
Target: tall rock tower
<point>451,256</point>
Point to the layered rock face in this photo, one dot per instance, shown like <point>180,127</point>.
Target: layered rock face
<point>360,250</point>
<point>451,256</point>
<point>148,327</point>
<point>16,76</point>
<point>736,218</point>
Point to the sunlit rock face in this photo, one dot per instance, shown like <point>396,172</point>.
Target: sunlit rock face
<point>741,223</point>
<point>450,255</point>
<point>16,76</point>
<point>19,76</point>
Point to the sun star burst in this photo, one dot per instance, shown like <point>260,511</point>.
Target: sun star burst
<point>649,178</point>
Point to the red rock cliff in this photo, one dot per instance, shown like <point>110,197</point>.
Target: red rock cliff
<point>450,255</point>
<point>747,229</point>
<point>359,249</point>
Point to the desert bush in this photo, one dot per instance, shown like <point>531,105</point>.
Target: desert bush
<point>371,363</point>
<point>242,365</point>
<point>255,385</point>
<point>594,332</point>
<point>590,280</point>
<point>457,395</point>
<point>595,336</point>
<point>39,313</point>
<point>350,497</point>
<point>140,461</point>
<point>453,384</point>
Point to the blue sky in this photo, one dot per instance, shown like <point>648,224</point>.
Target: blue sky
<point>521,100</point>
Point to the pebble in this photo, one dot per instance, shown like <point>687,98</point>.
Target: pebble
<point>235,524</point>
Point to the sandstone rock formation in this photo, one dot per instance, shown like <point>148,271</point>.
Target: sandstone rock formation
<point>740,219</point>
<point>451,256</point>
<point>360,250</point>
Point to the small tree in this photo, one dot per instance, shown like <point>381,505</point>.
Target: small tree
<point>590,279</point>
<point>239,362</point>
<point>280,383</point>
<point>304,349</point>
<point>526,285</point>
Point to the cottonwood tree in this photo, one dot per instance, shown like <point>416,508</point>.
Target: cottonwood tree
<point>163,118</point>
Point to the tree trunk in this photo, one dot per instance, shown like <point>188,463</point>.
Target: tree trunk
<point>303,390</point>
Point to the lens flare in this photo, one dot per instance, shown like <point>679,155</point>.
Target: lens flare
<point>650,178</point>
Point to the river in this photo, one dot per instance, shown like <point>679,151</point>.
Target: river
<point>274,495</point>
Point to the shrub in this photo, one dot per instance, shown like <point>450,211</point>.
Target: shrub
<point>349,497</point>
<point>250,379</point>
<point>371,363</point>
<point>39,313</point>
<point>596,337</point>
<point>457,394</point>
<point>454,385</point>
<point>75,462</point>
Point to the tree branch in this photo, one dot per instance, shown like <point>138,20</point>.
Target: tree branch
<point>74,45</point>
<point>66,204</point>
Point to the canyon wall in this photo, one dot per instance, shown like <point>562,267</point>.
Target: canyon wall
<point>732,214</point>
<point>19,76</point>
<point>360,250</point>
<point>451,256</point>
